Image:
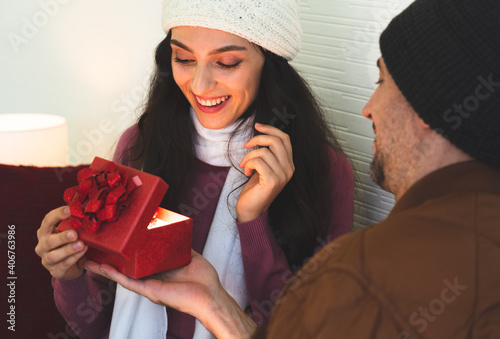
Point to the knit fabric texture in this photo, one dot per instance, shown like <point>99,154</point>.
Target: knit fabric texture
<point>271,24</point>
<point>444,55</point>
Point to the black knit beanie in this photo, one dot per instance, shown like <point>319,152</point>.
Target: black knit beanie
<point>444,55</point>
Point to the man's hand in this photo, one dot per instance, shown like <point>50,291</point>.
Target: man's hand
<point>194,289</point>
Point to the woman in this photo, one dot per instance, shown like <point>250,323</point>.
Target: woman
<point>224,96</point>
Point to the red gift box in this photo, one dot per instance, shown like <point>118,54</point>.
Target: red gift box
<point>144,239</point>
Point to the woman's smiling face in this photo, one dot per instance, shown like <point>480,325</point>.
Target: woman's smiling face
<point>218,72</point>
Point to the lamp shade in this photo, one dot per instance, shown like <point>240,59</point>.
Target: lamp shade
<point>33,140</point>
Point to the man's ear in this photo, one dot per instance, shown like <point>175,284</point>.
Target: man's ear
<point>422,124</point>
<point>422,128</point>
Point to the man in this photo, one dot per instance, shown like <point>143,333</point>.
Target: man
<point>432,268</point>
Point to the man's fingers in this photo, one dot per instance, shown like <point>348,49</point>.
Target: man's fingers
<point>112,273</point>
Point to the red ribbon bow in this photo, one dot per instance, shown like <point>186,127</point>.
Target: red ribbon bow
<point>98,197</point>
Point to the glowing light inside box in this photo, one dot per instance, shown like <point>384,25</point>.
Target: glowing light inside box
<point>163,217</point>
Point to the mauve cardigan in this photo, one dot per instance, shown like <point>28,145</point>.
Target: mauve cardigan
<point>87,302</point>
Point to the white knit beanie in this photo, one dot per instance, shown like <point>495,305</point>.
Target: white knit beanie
<point>272,24</point>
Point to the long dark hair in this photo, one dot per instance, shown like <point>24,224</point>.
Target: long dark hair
<point>299,216</point>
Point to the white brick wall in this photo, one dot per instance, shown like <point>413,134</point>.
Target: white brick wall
<point>338,58</point>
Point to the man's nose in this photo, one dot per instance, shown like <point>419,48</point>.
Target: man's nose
<point>367,111</point>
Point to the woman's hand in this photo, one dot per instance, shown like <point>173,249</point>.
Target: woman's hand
<point>61,252</point>
<point>193,289</point>
<point>273,166</point>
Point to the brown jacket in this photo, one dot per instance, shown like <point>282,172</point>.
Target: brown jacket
<point>430,270</point>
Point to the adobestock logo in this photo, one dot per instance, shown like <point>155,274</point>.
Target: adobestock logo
<point>429,313</point>
<point>281,120</point>
<point>483,91</point>
<point>30,27</point>
<point>370,32</point>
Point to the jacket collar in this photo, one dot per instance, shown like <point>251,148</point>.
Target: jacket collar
<point>457,178</point>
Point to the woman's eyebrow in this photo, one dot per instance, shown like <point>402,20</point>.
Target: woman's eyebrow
<point>228,48</point>
<point>224,49</point>
<point>181,45</point>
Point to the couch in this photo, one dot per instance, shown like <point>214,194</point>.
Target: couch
<point>26,195</point>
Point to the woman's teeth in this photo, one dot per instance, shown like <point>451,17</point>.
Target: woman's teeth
<point>211,103</point>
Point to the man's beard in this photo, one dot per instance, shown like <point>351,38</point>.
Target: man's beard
<point>377,169</point>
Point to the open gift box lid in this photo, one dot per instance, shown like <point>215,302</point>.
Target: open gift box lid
<point>144,239</point>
